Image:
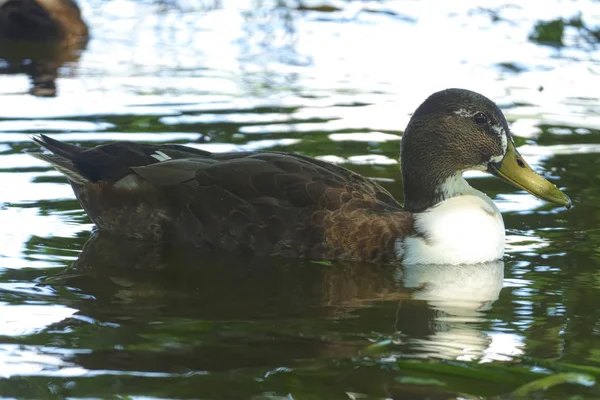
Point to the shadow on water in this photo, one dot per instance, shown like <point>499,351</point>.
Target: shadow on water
<point>214,312</point>
<point>38,37</point>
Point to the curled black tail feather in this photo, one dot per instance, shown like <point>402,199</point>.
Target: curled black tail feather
<point>57,147</point>
<point>110,162</point>
<point>61,158</point>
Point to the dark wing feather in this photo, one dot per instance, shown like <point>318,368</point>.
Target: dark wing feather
<point>275,203</point>
<point>113,162</point>
<point>172,172</point>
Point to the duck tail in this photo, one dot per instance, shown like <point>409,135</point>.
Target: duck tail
<point>62,157</point>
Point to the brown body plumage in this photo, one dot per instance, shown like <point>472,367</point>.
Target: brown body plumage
<point>265,203</point>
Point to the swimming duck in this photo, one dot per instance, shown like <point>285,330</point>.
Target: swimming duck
<point>273,203</point>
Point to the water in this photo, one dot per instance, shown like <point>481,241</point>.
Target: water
<point>94,317</point>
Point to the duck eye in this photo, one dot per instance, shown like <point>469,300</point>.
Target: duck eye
<point>480,118</point>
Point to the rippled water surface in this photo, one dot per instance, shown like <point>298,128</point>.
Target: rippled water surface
<point>95,317</point>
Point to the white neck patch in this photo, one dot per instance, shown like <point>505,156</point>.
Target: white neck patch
<point>464,229</point>
<point>454,186</point>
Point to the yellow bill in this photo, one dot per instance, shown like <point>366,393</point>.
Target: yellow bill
<point>514,170</point>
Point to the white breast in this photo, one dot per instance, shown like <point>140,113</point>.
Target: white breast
<point>465,229</point>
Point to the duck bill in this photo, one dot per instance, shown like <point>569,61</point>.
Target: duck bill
<point>514,170</point>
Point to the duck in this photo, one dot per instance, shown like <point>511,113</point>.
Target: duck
<point>270,203</point>
<point>38,37</point>
<point>57,21</point>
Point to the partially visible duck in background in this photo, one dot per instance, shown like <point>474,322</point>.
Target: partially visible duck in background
<point>272,203</point>
<point>42,20</point>
<point>38,36</point>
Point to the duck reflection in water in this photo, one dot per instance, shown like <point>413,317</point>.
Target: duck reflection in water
<point>428,311</point>
<point>37,37</point>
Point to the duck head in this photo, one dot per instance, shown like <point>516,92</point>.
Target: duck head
<point>457,130</point>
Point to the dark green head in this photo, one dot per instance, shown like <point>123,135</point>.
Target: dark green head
<point>456,130</point>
